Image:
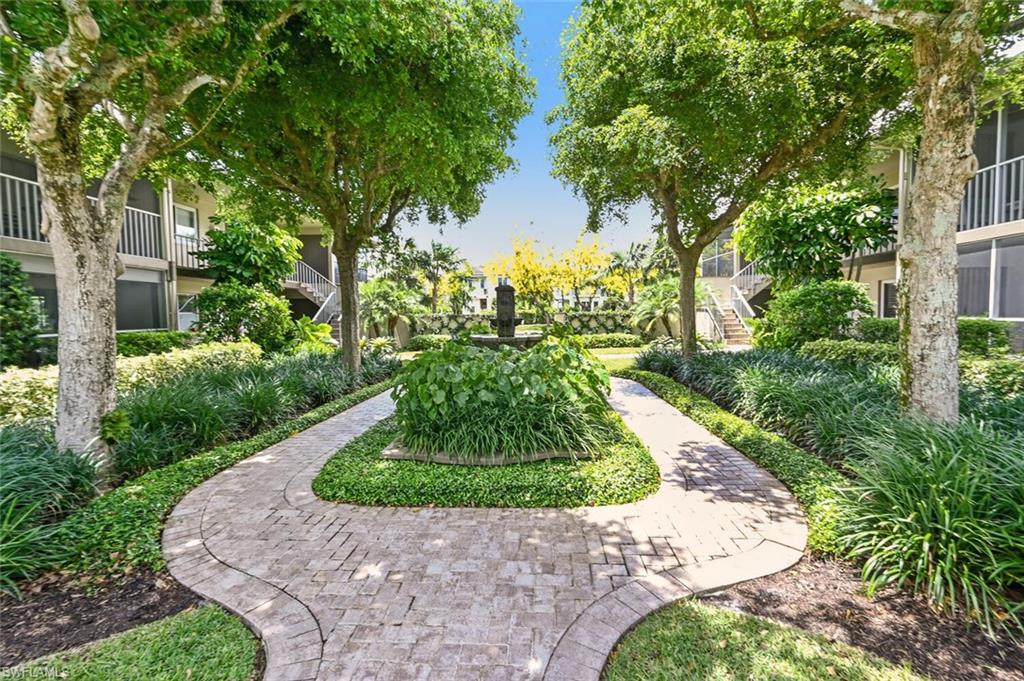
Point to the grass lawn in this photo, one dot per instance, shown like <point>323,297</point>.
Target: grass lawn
<point>616,362</point>
<point>204,643</point>
<point>690,640</point>
<point>356,474</point>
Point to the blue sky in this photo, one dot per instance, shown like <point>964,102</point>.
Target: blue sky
<point>528,201</point>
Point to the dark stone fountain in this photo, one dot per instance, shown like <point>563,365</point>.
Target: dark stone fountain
<point>505,324</point>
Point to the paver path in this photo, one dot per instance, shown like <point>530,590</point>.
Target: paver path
<point>349,592</point>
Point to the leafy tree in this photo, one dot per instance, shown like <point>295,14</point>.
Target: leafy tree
<point>580,270</point>
<point>93,90</point>
<point>803,232</point>
<point>232,311</point>
<point>385,303</point>
<point>19,323</point>
<point>436,263</point>
<point>952,40</point>
<point>659,302</point>
<point>629,266</point>
<point>824,309</point>
<point>250,253</point>
<point>698,107</point>
<point>390,256</point>
<point>372,113</point>
<point>534,275</point>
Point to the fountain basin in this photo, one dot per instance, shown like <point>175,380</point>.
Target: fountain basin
<point>519,341</point>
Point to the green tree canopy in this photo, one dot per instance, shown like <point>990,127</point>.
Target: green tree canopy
<point>250,253</point>
<point>19,322</point>
<point>802,233</point>
<point>375,110</point>
<point>93,89</point>
<point>697,107</point>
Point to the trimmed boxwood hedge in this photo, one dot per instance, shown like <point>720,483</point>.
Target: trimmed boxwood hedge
<point>427,341</point>
<point>813,482</point>
<point>121,530</point>
<point>624,472</point>
<point>978,335</point>
<point>612,340</point>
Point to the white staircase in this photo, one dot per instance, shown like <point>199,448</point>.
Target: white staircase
<point>316,288</point>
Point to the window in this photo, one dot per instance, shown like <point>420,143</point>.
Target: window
<point>975,269</point>
<point>140,305</point>
<point>186,223</point>
<point>986,141</point>
<point>887,299</point>
<point>483,303</point>
<point>1009,278</point>
<point>1014,125</point>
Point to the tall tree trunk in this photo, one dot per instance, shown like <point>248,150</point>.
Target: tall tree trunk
<point>632,292</point>
<point>668,325</point>
<point>687,300</point>
<point>348,291</point>
<point>433,298</point>
<point>85,263</point>
<point>948,66</point>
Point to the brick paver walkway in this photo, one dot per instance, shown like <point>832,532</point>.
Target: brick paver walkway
<point>348,592</point>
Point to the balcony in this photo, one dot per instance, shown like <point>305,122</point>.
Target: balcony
<point>185,249</point>
<point>995,195</point>
<point>21,218</point>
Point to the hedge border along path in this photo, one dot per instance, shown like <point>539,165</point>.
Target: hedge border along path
<point>121,529</point>
<point>340,591</point>
<point>811,480</point>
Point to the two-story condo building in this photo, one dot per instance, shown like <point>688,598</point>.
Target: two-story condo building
<point>164,227</point>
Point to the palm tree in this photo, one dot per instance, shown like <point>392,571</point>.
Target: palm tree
<point>659,302</point>
<point>629,265</point>
<point>384,302</point>
<point>436,262</point>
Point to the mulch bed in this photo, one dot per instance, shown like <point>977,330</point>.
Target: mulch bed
<point>57,613</point>
<point>827,598</point>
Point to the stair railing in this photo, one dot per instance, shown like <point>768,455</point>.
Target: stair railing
<point>321,286</point>
<point>714,312</point>
<point>742,308</point>
<point>328,311</point>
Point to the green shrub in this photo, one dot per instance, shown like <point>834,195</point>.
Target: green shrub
<point>811,311</point>
<point>1002,376</point>
<point>32,393</point>
<point>977,336</point>
<point>812,482</point>
<point>121,529</point>
<point>984,336</point>
<point>39,485</point>
<point>18,318</point>
<point>876,330</point>
<point>427,341</point>
<point>231,312</point>
<point>468,401</point>
<point>250,254</point>
<point>611,340</point>
<point>139,343</point>
<point>850,351</point>
<point>623,472</point>
<point>937,509</point>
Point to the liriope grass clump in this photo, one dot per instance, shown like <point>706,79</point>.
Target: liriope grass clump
<point>470,402</point>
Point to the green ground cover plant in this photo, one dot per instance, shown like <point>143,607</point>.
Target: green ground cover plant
<point>161,428</point>
<point>18,315</point>
<point>934,509</point>
<point>690,640</point>
<point>32,393</point>
<point>121,529</point>
<point>201,643</point>
<point>468,401</point>
<point>621,472</point>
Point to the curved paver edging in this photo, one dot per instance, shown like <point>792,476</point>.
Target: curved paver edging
<point>338,591</point>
